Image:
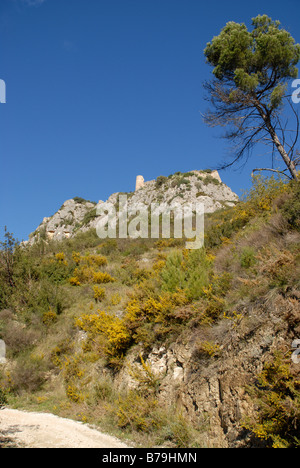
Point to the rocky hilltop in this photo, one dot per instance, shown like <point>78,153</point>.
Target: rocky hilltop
<point>78,214</point>
<point>156,343</point>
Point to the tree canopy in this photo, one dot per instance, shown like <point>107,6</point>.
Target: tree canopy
<point>251,73</point>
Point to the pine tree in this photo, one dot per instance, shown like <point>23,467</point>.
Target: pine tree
<point>250,86</point>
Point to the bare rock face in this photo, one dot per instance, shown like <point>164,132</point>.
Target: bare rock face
<point>181,189</point>
<point>2,352</point>
<point>65,222</point>
<point>77,215</point>
<point>211,390</point>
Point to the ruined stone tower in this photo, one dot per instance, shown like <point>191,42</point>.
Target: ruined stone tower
<point>140,182</point>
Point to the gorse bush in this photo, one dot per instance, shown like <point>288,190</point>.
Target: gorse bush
<point>74,281</point>
<point>99,293</point>
<point>148,381</point>
<point>91,260</point>
<point>115,336</point>
<point>87,269</point>
<point>49,318</point>
<point>277,397</point>
<point>263,192</point>
<point>207,348</point>
<point>87,275</point>
<point>139,413</point>
<point>100,278</point>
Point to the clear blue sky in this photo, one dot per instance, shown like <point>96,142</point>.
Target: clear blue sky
<point>99,91</point>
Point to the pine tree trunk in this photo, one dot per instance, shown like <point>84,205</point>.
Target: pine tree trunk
<point>289,163</point>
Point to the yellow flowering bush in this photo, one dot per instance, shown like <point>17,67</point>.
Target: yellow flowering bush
<point>74,281</point>
<point>277,398</point>
<point>99,293</point>
<point>100,278</point>
<point>76,257</point>
<point>115,299</point>
<point>133,310</point>
<point>89,259</point>
<point>108,326</point>
<point>137,412</point>
<point>61,258</point>
<point>208,348</point>
<point>94,260</point>
<point>87,274</point>
<point>49,317</point>
<point>87,269</point>
<point>74,394</point>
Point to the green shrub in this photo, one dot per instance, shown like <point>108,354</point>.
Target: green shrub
<point>189,272</point>
<point>28,375</point>
<point>145,414</point>
<point>247,258</point>
<point>89,216</point>
<point>3,398</point>
<point>261,196</point>
<point>138,413</point>
<point>210,180</point>
<point>79,200</point>
<point>18,338</point>
<point>291,207</point>
<point>178,181</point>
<point>56,273</point>
<point>198,267</point>
<point>172,275</point>
<point>177,430</point>
<point>45,295</point>
<point>160,181</point>
<point>82,200</point>
<point>82,240</point>
<point>104,389</point>
<point>110,246</point>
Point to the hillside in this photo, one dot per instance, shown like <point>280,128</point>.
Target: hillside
<point>154,343</point>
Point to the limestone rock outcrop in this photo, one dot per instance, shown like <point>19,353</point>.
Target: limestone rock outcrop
<point>77,215</point>
<point>212,390</point>
<point>65,222</point>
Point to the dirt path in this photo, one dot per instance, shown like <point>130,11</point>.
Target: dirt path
<point>42,430</point>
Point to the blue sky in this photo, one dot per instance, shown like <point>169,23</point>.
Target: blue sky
<point>99,91</point>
